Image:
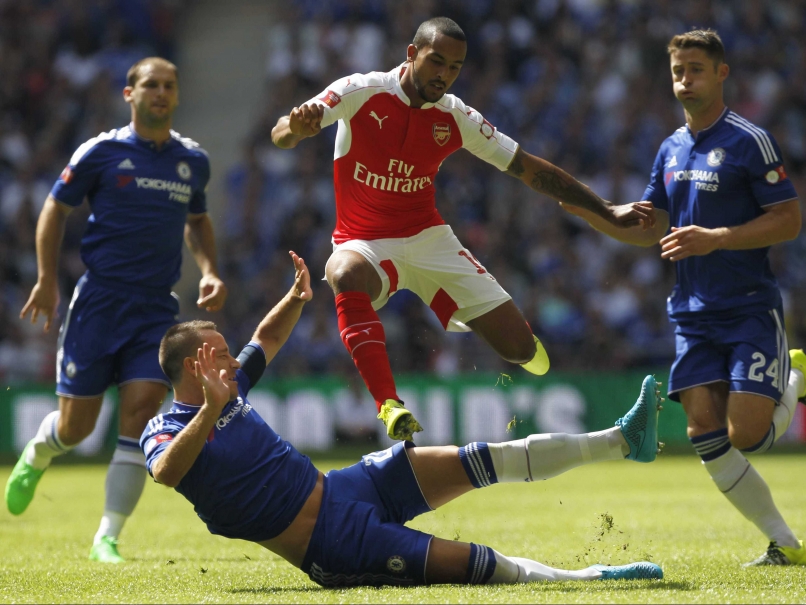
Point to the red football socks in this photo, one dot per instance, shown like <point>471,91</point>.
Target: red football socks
<point>362,333</point>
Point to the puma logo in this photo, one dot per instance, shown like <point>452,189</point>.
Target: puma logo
<point>380,120</point>
<point>368,330</point>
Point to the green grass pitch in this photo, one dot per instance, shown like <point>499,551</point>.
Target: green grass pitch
<point>667,512</point>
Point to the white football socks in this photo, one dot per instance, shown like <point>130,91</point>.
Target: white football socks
<point>46,445</point>
<point>125,480</point>
<point>785,410</point>
<point>516,570</point>
<point>544,456</point>
<point>748,492</point>
<point>111,525</point>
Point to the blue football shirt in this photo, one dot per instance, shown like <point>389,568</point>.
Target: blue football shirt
<point>725,176</point>
<point>247,482</point>
<point>140,198</point>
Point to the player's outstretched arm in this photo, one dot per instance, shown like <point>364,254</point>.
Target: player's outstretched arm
<point>276,327</point>
<point>640,235</point>
<point>303,121</point>
<point>179,456</point>
<point>546,178</point>
<point>779,223</point>
<point>44,297</point>
<point>200,241</point>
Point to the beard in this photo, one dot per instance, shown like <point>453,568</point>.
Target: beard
<point>421,88</point>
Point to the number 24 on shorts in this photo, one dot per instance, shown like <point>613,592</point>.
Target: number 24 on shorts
<point>756,371</point>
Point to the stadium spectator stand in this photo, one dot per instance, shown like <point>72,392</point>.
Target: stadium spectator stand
<point>583,83</point>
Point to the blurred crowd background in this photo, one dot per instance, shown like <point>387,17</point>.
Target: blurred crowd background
<point>582,83</point>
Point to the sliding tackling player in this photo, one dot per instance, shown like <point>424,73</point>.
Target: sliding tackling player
<point>346,528</point>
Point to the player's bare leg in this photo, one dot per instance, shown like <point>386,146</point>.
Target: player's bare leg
<point>506,331</point>
<point>77,418</point>
<point>139,402</point>
<point>715,419</point>
<point>749,420</point>
<point>348,271</point>
<point>356,284</point>
<point>59,432</point>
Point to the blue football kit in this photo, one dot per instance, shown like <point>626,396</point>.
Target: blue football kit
<point>250,484</point>
<point>726,304</point>
<point>140,197</point>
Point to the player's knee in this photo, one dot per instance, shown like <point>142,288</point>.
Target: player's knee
<point>74,429</point>
<point>347,277</point>
<point>134,423</point>
<point>746,437</point>
<point>701,424</point>
<point>135,414</point>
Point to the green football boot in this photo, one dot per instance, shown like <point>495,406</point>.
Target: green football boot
<point>780,555</point>
<point>21,484</point>
<point>106,551</point>
<point>798,362</point>
<point>540,363</point>
<point>400,423</point>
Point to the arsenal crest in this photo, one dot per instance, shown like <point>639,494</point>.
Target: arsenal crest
<point>442,132</point>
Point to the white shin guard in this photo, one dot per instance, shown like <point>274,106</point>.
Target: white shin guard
<point>544,456</point>
<point>517,570</point>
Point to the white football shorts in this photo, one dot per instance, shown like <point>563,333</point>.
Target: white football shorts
<point>436,267</point>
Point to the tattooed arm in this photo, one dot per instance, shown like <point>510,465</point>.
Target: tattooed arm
<point>548,179</point>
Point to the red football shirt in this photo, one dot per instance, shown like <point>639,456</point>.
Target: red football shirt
<point>388,153</point>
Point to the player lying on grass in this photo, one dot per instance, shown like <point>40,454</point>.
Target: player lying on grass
<point>347,527</point>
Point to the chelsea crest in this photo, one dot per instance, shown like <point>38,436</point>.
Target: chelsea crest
<point>716,156</point>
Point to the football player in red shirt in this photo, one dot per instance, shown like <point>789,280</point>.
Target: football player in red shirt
<point>395,129</point>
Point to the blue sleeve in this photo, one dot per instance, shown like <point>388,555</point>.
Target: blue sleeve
<point>157,436</point>
<point>656,190</point>
<point>198,203</point>
<point>79,177</point>
<point>253,364</point>
<point>768,179</point>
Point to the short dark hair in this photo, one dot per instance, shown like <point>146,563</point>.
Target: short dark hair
<point>180,341</point>
<point>706,39</point>
<point>134,70</point>
<point>428,30</point>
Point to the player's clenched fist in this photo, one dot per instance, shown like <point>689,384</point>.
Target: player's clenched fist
<point>306,120</point>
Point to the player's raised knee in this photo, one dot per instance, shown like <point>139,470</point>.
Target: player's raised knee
<point>350,274</point>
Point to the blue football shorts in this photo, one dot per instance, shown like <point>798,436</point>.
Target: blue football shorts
<point>359,538</point>
<point>111,334</point>
<point>749,352</point>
